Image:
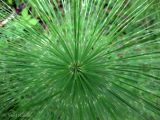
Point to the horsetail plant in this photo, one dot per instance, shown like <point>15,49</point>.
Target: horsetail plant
<point>94,60</point>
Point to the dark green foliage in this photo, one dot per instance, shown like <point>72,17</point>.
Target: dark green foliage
<point>93,60</point>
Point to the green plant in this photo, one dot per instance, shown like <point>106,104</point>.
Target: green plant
<point>96,60</point>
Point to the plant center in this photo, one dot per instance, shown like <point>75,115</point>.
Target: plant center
<point>75,68</point>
